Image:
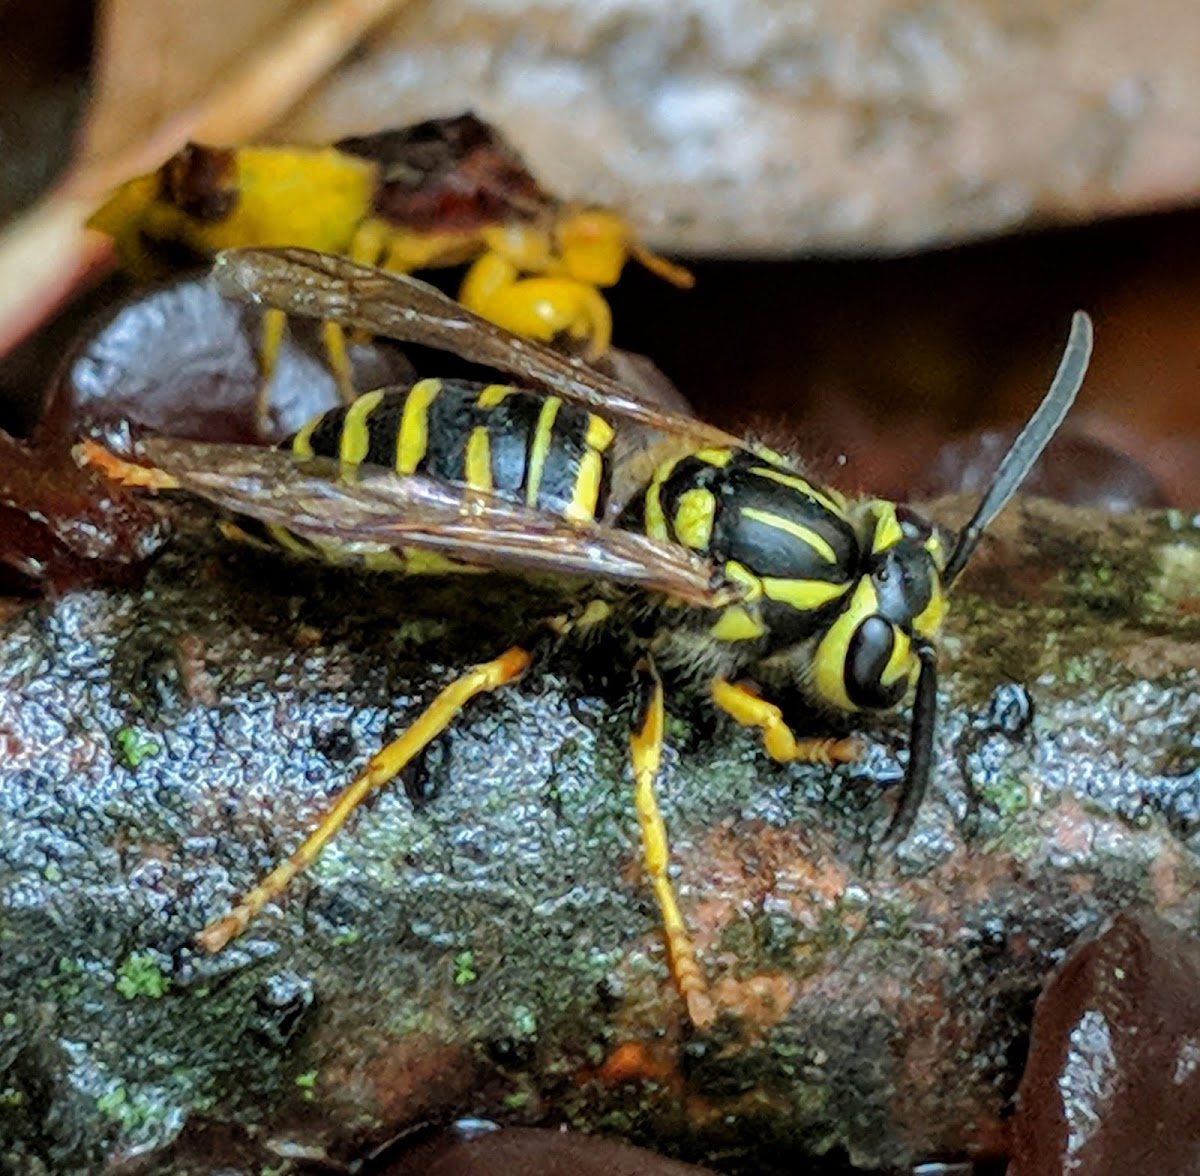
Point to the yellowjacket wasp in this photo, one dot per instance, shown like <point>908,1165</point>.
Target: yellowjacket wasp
<point>445,192</point>
<point>713,558</point>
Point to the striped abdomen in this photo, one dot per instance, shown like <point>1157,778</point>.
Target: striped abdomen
<point>522,446</point>
<point>525,447</point>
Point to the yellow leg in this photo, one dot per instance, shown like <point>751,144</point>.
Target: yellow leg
<point>369,242</point>
<point>746,708</point>
<point>645,746</point>
<point>337,356</point>
<point>274,324</point>
<point>381,768</point>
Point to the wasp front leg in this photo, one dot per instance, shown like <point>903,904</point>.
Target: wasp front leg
<point>747,709</point>
<point>537,307</point>
<point>645,747</point>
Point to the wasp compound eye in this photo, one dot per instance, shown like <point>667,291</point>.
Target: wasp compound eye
<point>867,661</point>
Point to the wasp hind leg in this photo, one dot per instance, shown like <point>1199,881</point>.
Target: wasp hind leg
<point>747,709</point>
<point>381,768</point>
<point>645,746</point>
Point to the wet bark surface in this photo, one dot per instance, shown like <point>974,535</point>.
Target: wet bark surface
<point>480,940</point>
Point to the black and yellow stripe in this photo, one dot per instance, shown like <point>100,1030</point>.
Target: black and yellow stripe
<point>519,445</point>
<point>789,544</point>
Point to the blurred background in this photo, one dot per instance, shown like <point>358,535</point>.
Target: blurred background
<point>891,213</point>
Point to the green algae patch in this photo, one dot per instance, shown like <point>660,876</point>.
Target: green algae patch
<point>131,747</point>
<point>140,977</point>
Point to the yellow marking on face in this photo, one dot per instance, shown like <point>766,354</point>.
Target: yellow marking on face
<point>694,516</point>
<point>829,499</point>
<point>714,457</point>
<point>599,433</point>
<point>807,535</point>
<point>829,661</point>
<point>804,595</point>
<point>888,531</point>
<point>736,624</point>
<point>582,507</point>
<point>901,664</point>
<point>542,436</point>
<point>493,395</point>
<point>302,441</point>
<point>750,587</point>
<point>928,622</point>
<point>477,462</point>
<point>356,438</point>
<point>414,426</point>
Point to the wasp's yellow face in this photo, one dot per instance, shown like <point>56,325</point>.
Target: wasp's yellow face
<point>866,659</point>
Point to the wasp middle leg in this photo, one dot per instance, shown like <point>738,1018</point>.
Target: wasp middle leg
<point>747,709</point>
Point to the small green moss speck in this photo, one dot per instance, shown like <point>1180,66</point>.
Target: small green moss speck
<point>10,1096</point>
<point>1077,671</point>
<point>517,1100</point>
<point>464,968</point>
<point>132,747</point>
<point>140,975</point>
<point>307,1083</point>
<point>1006,795</point>
<point>68,981</point>
<point>112,1101</point>
<point>8,1020</point>
<point>347,938</point>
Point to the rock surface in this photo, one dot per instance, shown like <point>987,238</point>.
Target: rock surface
<point>750,128</point>
<point>480,941</point>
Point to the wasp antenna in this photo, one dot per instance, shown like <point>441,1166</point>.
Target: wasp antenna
<point>1027,448</point>
<point>920,750</point>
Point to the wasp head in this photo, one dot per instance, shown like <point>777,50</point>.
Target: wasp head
<point>867,657</point>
